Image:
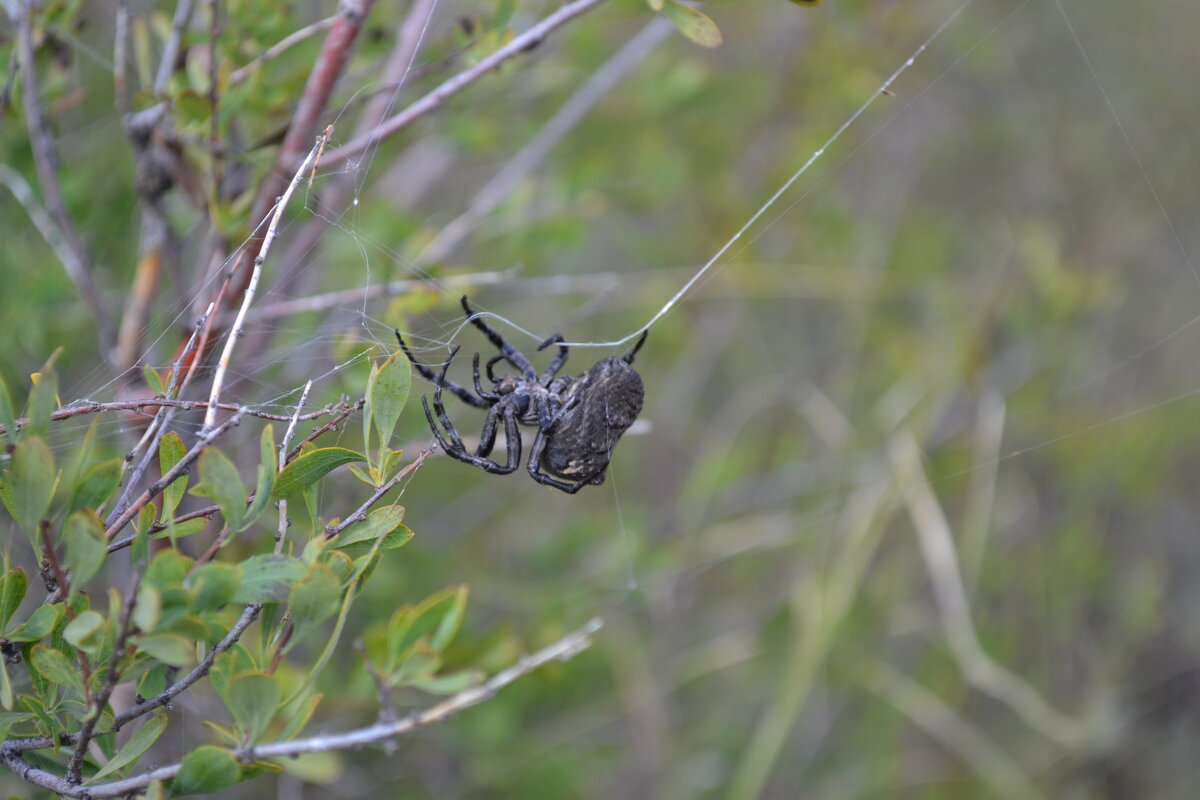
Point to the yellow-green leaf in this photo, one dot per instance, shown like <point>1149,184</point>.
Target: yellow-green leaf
<point>220,482</point>
<point>310,467</point>
<point>31,481</point>
<point>84,533</point>
<point>138,744</point>
<point>252,698</point>
<point>693,24</point>
<point>206,769</point>
<point>170,450</point>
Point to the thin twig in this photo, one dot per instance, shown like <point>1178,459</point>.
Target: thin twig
<point>360,513</point>
<point>941,562</point>
<point>564,649</point>
<point>121,59</point>
<point>295,37</point>
<point>601,82</point>
<point>183,15</point>
<point>320,302</point>
<point>92,407</point>
<point>248,296</point>
<point>198,672</point>
<point>453,86</point>
<point>75,766</point>
<point>158,427</point>
<point>156,488</point>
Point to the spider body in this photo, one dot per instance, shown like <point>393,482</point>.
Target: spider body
<point>578,420</point>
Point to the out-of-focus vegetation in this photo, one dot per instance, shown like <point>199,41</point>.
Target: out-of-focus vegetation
<point>972,316</point>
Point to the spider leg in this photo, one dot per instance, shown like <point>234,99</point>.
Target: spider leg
<point>457,450</point>
<point>492,362</point>
<point>558,361</point>
<point>628,357</point>
<point>491,396</point>
<point>440,380</point>
<point>510,353</point>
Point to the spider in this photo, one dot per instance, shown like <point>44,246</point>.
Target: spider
<point>579,420</point>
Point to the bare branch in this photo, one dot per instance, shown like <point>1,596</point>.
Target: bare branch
<point>564,649</point>
<point>183,15</point>
<point>453,86</point>
<point>602,81</point>
<point>248,295</point>
<point>295,37</point>
<point>941,562</point>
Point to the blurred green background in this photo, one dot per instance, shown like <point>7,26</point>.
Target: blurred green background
<point>989,275</point>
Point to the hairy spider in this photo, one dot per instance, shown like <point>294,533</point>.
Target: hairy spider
<point>579,420</point>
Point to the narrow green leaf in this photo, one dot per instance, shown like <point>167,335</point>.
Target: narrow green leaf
<point>367,416</point>
<point>268,578</point>
<point>57,668</point>
<point>31,479</point>
<point>220,482</point>
<point>38,626</point>
<point>206,769</point>
<point>437,616</point>
<point>267,467</point>
<point>693,24</point>
<point>379,522</point>
<point>138,744</point>
<point>186,528</point>
<point>450,683</point>
<point>153,380</point>
<point>310,467</point>
<point>387,393</point>
<point>252,698</point>
<point>12,592</point>
<point>148,610</point>
<point>97,485</point>
<point>305,706</point>
<point>84,534</point>
<point>169,648</point>
<point>86,632</point>
<point>655,5</point>
<point>451,620</point>
<point>170,450</point>
<point>6,692</point>
<point>314,599</point>
<point>43,398</point>
<point>7,417</point>
<point>213,585</point>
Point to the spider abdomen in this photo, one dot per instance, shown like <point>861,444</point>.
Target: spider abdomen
<point>597,410</point>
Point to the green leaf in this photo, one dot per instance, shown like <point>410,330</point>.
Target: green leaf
<point>175,531</point>
<point>314,599</point>
<point>57,668</point>
<point>138,744</point>
<point>267,467</point>
<point>86,632</point>
<point>12,592</point>
<point>450,683</point>
<point>252,698</point>
<point>38,626</point>
<point>305,705</point>
<point>168,569</point>
<point>7,418</point>
<point>233,661</point>
<point>31,479</point>
<point>310,467</point>
<point>84,533</point>
<point>153,380</point>
<point>219,481</point>
<point>268,578</point>
<point>97,485</point>
<point>379,522</point>
<point>148,610</point>
<point>6,692</point>
<point>153,681</point>
<point>43,399</point>
<point>214,585</point>
<point>655,5</point>
<point>437,616</point>
<point>693,24</point>
<point>206,769</point>
<point>169,648</point>
<point>170,450</point>
<point>387,392</point>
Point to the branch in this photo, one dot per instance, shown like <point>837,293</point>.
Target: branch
<point>453,86</point>
<point>205,438</point>
<point>360,513</point>
<point>183,14</point>
<point>941,562</point>
<point>75,766</point>
<point>564,649</point>
<point>248,296</point>
<point>72,253</point>
<point>241,73</point>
